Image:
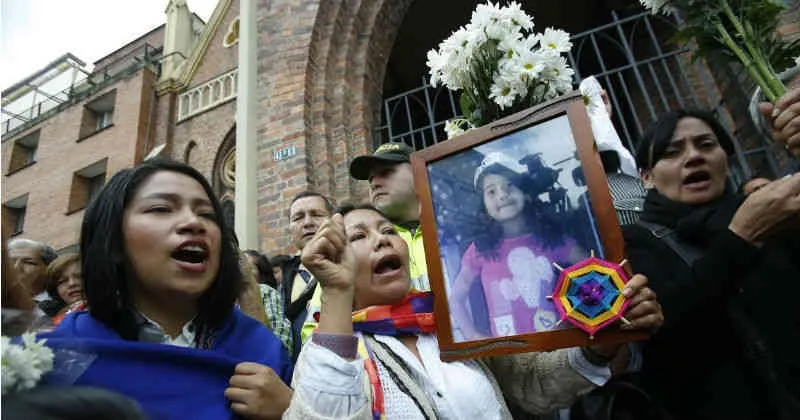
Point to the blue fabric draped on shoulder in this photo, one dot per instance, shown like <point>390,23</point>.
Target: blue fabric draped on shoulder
<point>168,381</point>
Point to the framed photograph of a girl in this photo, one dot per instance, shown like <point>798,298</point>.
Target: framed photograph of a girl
<point>502,207</point>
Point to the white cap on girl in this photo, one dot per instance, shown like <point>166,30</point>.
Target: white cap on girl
<point>498,158</point>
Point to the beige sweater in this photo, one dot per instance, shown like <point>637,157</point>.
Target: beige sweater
<point>536,382</point>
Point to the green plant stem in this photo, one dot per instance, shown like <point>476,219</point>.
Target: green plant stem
<point>728,41</point>
<point>757,55</point>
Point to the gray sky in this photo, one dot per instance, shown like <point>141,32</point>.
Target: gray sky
<point>36,32</point>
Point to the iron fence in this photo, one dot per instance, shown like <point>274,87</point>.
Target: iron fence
<point>642,71</point>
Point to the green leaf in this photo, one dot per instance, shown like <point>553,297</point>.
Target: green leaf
<point>466,105</point>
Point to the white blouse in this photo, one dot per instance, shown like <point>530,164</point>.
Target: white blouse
<point>333,386</point>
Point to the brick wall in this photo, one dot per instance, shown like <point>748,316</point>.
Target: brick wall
<point>209,129</point>
<point>49,181</point>
<point>321,67</point>
<point>155,38</point>
<point>218,59</point>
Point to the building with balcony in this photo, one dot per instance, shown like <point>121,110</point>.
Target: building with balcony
<point>68,127</point>
<point>335,79</point>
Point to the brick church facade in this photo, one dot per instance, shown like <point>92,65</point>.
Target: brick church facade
<point>326,71</point>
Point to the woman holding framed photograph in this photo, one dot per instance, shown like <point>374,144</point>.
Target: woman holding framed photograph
<point>383,360</point>
<point>513,259</point>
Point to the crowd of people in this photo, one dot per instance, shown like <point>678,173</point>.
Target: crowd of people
<point>161,315</point>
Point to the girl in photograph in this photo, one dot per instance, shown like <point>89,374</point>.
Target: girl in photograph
<point>513,259</point>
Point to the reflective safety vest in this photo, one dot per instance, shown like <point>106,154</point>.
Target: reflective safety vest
<point>416,256</point>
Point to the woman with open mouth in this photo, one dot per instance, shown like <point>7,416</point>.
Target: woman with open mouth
<point>161,277</point>
<point>727,273</point>
<point>374,354</point>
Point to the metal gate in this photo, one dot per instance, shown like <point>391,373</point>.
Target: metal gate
<point>644,74</point>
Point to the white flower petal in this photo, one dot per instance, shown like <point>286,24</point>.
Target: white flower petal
<point>656,6</point>
<point>555,40</point>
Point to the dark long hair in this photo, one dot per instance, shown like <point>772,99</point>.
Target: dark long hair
<point>538,216</point>
<point>658,135</point>
<point>106,267</point>
<point>265,274</point>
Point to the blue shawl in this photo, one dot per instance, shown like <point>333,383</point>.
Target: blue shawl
<point>168,381</point>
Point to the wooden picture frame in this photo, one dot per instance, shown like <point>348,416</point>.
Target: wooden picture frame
<point>484,302</point>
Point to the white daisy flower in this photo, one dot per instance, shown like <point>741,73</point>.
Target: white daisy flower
<point>558,70</point>
<point>503,94</point>
<point>530,65</point>
<point>435,63</point>
<point>656,6</point>
<point>456,127</point>
<point>484,15</point>
<point>511,47</point>
<point>514,14</point>
<point>23,365</point>
<point>555,40</point>
<point>457,43</point>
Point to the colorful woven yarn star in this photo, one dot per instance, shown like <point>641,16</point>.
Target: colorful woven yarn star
<point>589,294</point>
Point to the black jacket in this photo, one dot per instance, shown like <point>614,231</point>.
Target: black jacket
<point>296,311</point>
<point>288,272</point>
<point>729,345</point>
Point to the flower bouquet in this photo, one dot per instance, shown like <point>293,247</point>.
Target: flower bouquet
<point>740,30</point>
<point>500,65</point>
<point>24,364</point>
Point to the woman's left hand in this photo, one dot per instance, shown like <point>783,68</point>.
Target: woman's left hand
<point>257,392</point>
<point>644,311</point>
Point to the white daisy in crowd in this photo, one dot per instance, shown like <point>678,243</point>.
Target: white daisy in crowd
<point>656,6</point>
<point>456,127</point>
<point>509,75</point>
<point>558,70</point>
<point>503,93</point>
<point>555,40</point>
<point>23,365</point>
<point>526,67</point>
<point>485,15</point>
<point>530,65</point>
<point>436,63</point>
<point>511,47</point>
<point>513,13</point>
<point>458,42</point>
